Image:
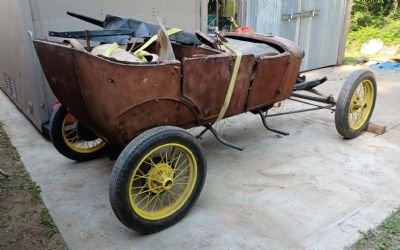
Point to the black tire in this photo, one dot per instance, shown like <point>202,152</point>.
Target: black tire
<point>125,168</point>
<point>57,137</point>
<point>343,120</point>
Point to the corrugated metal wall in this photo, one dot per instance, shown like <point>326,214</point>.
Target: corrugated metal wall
<point>318,36</point>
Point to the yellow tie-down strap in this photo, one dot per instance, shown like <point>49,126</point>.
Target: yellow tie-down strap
<point>111,49</point>
<point>232,83</point>
<point>140,52</point>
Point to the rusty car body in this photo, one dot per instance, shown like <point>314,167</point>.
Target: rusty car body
<point>120,100</point>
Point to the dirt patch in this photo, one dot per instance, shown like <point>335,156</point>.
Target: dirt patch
<point>25,222</point>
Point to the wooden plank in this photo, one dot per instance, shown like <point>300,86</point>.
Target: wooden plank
<point>376,129</point>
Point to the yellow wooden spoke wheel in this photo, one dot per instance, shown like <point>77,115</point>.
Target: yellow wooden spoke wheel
<point>355,104</point>
<point>73,139</point>
<point>157,179</point>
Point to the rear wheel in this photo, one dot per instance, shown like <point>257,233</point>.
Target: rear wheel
<point>355,104</point>
<point>73,139</point>
<point>156,179</point>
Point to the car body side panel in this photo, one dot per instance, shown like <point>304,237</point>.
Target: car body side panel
<point>206,82</point>
<point>267,85</point>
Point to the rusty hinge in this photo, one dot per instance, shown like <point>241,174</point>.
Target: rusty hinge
<point>311,13</point>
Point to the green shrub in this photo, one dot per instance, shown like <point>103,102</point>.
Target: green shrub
<point>389,35</point>
<point>374,19</point>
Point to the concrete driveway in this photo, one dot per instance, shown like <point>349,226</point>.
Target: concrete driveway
<point>310,190</point>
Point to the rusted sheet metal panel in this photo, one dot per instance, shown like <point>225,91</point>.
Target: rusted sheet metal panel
<point>268,81</point>
<point>206,81</point>
<point>280,43</point>
<point>58,64</point>
<point>274,76</point>
<point>111,90</point>
<point>151,114</point>
<point>182,51</point>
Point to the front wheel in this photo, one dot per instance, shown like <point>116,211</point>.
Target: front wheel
<point>355,104</point>
<point>157,179</point>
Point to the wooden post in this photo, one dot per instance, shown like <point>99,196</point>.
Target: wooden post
<point>345,31</point>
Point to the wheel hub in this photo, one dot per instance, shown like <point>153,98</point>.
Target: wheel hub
<point>160,178</point>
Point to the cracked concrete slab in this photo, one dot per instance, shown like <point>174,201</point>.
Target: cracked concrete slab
<point>310,190</point>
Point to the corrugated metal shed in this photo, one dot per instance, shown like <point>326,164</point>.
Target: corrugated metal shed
<point>316,25</point>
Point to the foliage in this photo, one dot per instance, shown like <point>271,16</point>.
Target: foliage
<point>373,13</point>
<point>374,19</point>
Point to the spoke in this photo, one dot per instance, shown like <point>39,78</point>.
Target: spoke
<point>138,187</point>
<point>76,139</point>
<point>169,198</point>
<point>137,177</point>
<point>166,155</point>
<point>155,202</point>
<point>182,178</point>
<point>162,157</point>
<point>174,159</point>
<point>181,165</point>
<point>149,202</point>
<point>181,183</point>
<point>162,201</point>
<point>149,163</point>
<point>141,192</point>
<point>182,170</point>
<point>172,155</point>
<point>145,177</point>
<point>70,132</point>
<point>73,138</point>
<point>173,194</point>
<point>152,162</point>
<point>143,174</point>
<point>177,161</point>
<point>143,199</point>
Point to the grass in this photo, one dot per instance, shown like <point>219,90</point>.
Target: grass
<point>47,221</point>
<point>351,59</point>
<point>385,237</point>
<point>25,222</point>
<point>33,189</point>
<point>355,58</point>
